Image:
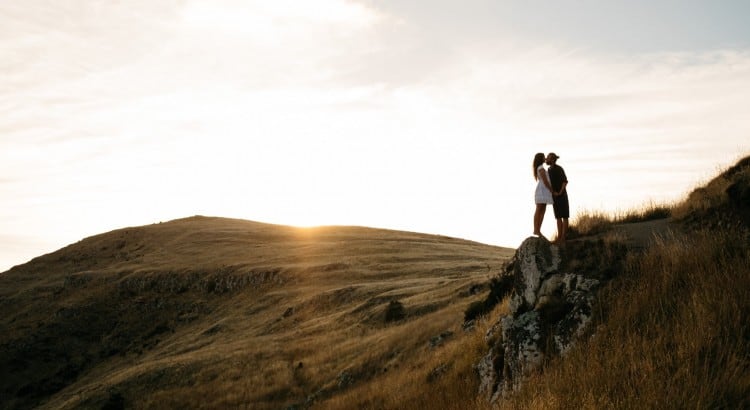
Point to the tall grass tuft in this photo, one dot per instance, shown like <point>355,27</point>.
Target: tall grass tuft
<point>647,212</point>
<point>672,332</point>
<point>590,223</point>
<point>595,222</point>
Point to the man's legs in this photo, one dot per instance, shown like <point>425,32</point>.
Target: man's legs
<point>562,211</point>
<point>562,229</point>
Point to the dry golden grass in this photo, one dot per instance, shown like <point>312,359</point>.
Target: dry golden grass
<point>713,195</point>
<point>588,223</point>
<point>673,332</point>
<point>218,313</point>
<point>443,377</point>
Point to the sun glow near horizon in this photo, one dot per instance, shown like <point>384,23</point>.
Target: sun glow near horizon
<point>413,117</point>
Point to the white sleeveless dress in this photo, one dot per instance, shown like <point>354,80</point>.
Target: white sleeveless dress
<point>542,195</point>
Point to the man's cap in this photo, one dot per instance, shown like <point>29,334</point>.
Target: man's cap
<point>553,155</point>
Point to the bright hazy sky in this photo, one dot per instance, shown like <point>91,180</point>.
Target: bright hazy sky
<point>413,115</point>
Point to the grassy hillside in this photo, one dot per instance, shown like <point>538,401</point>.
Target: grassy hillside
<point>210,312</point>
<point>219,313</point>
<point>673,330</point>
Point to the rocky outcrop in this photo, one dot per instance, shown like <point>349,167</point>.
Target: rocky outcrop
<point>219,282</point>
<point>549,309</point>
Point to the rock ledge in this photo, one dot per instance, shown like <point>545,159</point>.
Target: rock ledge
<point>549,309</point>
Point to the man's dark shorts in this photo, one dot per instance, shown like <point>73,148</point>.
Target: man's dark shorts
<point>561,207</point>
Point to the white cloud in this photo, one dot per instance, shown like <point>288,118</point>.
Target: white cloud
<point>262,19</point>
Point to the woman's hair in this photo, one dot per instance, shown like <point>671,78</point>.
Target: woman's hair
<point>538,160</point>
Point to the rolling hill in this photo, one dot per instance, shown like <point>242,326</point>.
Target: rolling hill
<point>210,312</point>
<point>220,313</point>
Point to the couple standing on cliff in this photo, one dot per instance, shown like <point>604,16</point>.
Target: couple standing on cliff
<point>550,189</point>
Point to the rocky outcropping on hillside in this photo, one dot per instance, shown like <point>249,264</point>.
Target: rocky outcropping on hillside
<point>549,309</point>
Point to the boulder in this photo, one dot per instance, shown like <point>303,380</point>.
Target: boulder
<point>548,311</point>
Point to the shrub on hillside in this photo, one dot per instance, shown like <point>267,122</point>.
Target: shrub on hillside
<point>395,311</point>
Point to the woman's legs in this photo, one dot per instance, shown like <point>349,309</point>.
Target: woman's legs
<point>538,218</point>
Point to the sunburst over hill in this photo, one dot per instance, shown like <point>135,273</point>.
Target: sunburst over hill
<point>174,313</point>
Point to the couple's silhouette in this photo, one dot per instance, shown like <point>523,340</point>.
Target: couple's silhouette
<point>550,190</point>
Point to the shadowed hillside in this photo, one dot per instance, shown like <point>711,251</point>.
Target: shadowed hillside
<point>211,312</point>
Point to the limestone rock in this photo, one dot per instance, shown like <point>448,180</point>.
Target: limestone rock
<point>549,309</point>
<point>533,261</point>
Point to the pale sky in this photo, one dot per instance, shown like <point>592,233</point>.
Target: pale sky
<point>412,115</point>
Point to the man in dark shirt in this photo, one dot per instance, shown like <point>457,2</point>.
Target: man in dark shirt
<point>559,182</point>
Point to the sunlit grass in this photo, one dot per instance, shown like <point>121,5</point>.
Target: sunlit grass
<point>443,377</point>
<point>647,212</point>
<point>313,329</point>
<point>673,331</point>
<point>713,194</point>
<point>595,222</point>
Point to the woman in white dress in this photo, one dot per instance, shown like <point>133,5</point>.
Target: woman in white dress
<point>543,193</point>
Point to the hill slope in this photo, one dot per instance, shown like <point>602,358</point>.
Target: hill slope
<point>212,312</point>
<point>672,330</point>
